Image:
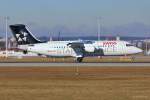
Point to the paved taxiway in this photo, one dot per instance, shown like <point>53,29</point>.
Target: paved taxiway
<point>74,64</point>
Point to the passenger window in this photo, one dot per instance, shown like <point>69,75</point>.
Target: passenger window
<point>129,45</point>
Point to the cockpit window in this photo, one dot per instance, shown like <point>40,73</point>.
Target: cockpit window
<point>129,45</point>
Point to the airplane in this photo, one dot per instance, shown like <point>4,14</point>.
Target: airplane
<point>27,42</point>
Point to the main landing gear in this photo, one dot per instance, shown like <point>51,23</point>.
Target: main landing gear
<point>25,52</point>
<point>79,59</point>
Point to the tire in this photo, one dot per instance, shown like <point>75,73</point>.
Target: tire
<point>25,52</point>
<point>79,59</point>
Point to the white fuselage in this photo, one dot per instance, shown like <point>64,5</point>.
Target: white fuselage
<point>117,47</point>
<point>96,48</point>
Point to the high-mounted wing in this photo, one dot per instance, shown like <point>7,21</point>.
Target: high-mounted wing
<point>78,47</point>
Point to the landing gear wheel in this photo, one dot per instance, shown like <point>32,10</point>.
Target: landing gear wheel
<point>25,52</point>
<point>39,54</point>
<point>79,59</point>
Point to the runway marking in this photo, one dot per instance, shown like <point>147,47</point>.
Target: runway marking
<point>74,64</point>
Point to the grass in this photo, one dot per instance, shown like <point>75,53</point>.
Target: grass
<point>91,83</point>
<point>87,59</point>
<point>74,89</point>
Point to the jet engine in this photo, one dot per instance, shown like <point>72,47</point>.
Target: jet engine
<point>89,48</point>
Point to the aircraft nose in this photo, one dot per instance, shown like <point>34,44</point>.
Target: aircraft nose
<point>138,50</point>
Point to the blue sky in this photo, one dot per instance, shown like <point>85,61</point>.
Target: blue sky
<point>79,17</point>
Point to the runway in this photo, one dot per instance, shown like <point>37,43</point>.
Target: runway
<point>74,64</point>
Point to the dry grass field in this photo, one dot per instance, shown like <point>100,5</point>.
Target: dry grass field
<point>86,59</point>
<point>91,83</point>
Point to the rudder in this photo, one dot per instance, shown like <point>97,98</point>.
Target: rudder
<point>22,35</point>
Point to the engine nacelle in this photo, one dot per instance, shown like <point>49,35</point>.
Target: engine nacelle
<point>89,48</point>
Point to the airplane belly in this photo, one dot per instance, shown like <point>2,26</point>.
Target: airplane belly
<point>60,52</point>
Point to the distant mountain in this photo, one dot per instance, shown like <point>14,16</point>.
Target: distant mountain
<point>94,38</point>
<point>132,29</point>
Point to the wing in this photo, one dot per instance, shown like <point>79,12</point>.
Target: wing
<point>78,47</point>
